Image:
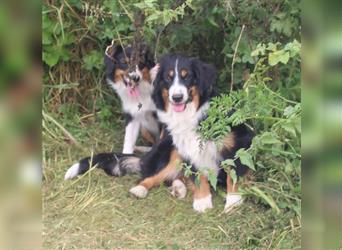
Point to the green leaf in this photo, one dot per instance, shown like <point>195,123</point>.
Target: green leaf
<point>233,175</point>
<point>93,60</point>
<point>228,163</point>
<point>197,181</point>
<point>269,138</point>
<point>260,50</point>
<point>51,58</point>
<point>289,127</point>
<point>140,5</point>
<point>272,46</point>
<point>212,21</point>
<point>245,158</point>
<point>212,177</point>
<point>288,111</point>
<point>268,199</point>
<point>278,56</point>
<point>47,38</point>
<point>294,48</point>
<point>153,17</point>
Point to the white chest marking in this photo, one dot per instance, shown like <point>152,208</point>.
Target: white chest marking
<point>135,105</point>
<point>183,128</point>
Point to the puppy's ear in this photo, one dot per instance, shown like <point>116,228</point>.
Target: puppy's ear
<point>109,59</point>
<point>205,77</point>
<point>157,95</point>
<point>149,60</point>
<point>154,71</point>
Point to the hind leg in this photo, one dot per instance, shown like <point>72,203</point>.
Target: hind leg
<point>169,172</point>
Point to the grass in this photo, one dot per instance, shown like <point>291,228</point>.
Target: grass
<point>97,212</point>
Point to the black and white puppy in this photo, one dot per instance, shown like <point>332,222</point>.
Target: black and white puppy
<point>133,84</point>
<point>182,91</point>
<point>134,87</point>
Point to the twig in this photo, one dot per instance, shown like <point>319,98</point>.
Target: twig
<point>234,57</point>
<point>126,11</point>
<point>76,15</point>
<point>157,43</point>
<point>61,128</point>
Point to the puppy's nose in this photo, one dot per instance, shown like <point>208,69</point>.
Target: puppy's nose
<point>134,77</point>
<point>177,98</point>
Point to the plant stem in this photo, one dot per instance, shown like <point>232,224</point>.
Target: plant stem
<point>234,57</point>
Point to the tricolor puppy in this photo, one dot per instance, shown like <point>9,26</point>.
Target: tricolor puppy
<point>133,84</point>
<point>182,91</point>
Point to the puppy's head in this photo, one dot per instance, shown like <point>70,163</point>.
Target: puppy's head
<point>183,80</point>
<point>120,69</point>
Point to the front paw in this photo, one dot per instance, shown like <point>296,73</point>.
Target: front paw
<point>178,189</point>
<point>200,205</point>
<point>139,191</point>
<point>232,201</point>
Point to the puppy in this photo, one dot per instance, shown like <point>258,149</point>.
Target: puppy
<point>133,85</point>
<point>182,91</point>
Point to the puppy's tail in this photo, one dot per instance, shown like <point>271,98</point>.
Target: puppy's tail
<point>113,164</point>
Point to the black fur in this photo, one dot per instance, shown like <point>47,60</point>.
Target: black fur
<point>115,58</point>
<point>200,74</point>
<point>205,78</point>
<point>119,58</point>
<point>157,158</point>
<point>128,118</point>
<point>113,164</point>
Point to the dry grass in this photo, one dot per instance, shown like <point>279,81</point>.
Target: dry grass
<point>96,211</point>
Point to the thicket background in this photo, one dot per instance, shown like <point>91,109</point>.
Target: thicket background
<point>255,45</point>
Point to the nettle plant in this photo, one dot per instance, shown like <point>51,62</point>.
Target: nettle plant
<point>276,121</point>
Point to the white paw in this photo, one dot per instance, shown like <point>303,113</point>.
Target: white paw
<point>232,200</point>
<point>72,172</point>
<point>200,205</point>
<point>178,189</point>
<point>139,191</point>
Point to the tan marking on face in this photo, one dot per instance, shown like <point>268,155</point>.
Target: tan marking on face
<point>165,94</point>
<point>184,73</point>
<point>146,74</point>
<point>171,73</point>
<point>201,191</point>
<point>195,96</point>
<point>166,173</point>
<point>119,74</point>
